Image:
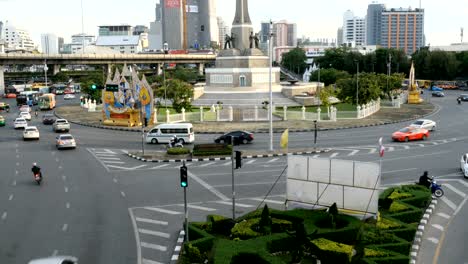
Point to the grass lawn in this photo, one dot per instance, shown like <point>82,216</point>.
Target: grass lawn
<point>340,106</point>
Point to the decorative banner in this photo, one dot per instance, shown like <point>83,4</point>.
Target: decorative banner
<point>172,3</point>
<point>285,139</point>
<point>381,148</point>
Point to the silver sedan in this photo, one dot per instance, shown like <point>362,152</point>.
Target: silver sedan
<point>65,141</point>
<point>424,123</point>
<point>55,260</point>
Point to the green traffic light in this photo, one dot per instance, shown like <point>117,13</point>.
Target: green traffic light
<point>93,87</point>
<point>183,184</point>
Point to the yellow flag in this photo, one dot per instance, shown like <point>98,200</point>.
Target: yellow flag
<point>285,139</point>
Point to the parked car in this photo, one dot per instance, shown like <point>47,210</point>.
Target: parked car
<point>31,132</point>
<point>25,115</point>
<point>438,94</point>
<point>4,106</point>
<point>10,95</point>
<point>2,121</point>
<point>20,123</point>
<point>48,119</point>
<point>424,123</point>
<point>463,97</point>
<point>243,137</point>
<point>65,141</point>
<point>410,133</point>
<point>55,260</point>
<point>464,165</point>
<point>61,125</point>
<point>69,96</point>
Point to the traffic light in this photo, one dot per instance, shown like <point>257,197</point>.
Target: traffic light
<point>238,159</point>
<point>94,86</point>
<point>183,176</point>
<point>146,122</point>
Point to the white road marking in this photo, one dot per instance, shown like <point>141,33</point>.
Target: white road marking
<point>115,180</point>
<point>17,156</point>
<point>446,216</point>
<point>227,163</point>
<point>10,198</point>
<point>390,149</point>
<point>206,164</point>
<point>406,147</point>
<point>267,201</point>
<point>4,215</point>
<point>108,158</point>
<point>460,206</point>
<point>123,168</point>
<point>160,166</point>
<point>160,210</point>
<point>148,261</point>
<point>455,190</point>
<point>55,253</point>
<point>354,152</point>
<point>237,204</point>
<point>416,156</point>
<point>67,205</point>
<point>151,221</point>
<point>124,151</point>
<point>400,170</point>
<point>56,160</point>
<point>123,194</point>
<point>449,203</point>
<point>64,177</point>
<point>175,257</point>
<point>17,163</point>
<point>113,162</point>
<point>60,167</point>
<point>441,228</point>
<point>433,240</point>
<point>334,155</point>
<point>435,143</point>
<point>66,189</point>
<point>16,172</point>
<point>64,227</point>
<point>202,208</point>
<point>153,246</point>
<point>316,156</point>
<point>372,151</point>
<point>248,184</point>
<point>14,183</point>
<point>154,233</point>
<point>250,161</point>
<point>207,186</point>
<point>421,145</point>
<point>272,160</point>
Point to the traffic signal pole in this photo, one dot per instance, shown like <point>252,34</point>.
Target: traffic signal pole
<point>186,214</point>
<point>233,189</point>
<point>184,184</point>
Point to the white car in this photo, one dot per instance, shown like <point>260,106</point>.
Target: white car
<point>69,96</point>
<point>20,123</point>
<point>424,123</point>
<point>25,115</point>
<point>55,260</point>
<point>25,108</point>
<point>464,165</point>
<point>31,132</point>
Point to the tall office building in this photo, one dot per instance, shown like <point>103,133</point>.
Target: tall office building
<point>155,31</point>
<point>201,25</point>
<point>17,39</point>
<point>78,42</point>
<point>354,29</point>
<point>374,23</point>
<point>140,29</point>
<point>339,37</point>
<point>284,34</point>
<point>403,29</point>
<point>49,43</point>
<point>61,42</point>
<point>224,29</point>
<point>1,29</point>
<point>116,30</point>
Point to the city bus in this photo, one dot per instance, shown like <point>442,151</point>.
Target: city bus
<point>47,102</point>
<point>58,89</point>
<point>32,97</point>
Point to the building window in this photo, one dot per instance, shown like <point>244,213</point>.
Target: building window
<point>242,81</point>
<point>202,28</point>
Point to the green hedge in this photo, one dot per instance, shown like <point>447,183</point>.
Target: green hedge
<point>409,217</point>
<point>212,149</point>
<point>178,151</point>
<point>331,252</point>
<point>405,233</point>
<point>400,259</point>
<point>243,258</point>
<point>403,248</point>
<point>199,239</point>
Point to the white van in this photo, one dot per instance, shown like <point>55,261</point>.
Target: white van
<point>164,132</point>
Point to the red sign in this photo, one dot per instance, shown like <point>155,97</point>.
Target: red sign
<point>172,3</point>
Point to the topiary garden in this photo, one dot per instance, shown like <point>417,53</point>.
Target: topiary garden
<point>305,236</point>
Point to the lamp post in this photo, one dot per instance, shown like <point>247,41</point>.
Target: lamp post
<point>357,82</point>
<point>270,108</point>
<point>166,51</point>
<point>319,87</point>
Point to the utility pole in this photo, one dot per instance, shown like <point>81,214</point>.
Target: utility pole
<point>270,105</point>
<point>184,18</point>
<point>233,158</point>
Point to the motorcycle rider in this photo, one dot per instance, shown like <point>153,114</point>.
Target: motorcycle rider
<point>36,170</point>
<point>459,100</point>
<point>425,180</point>
<point>35,113</point>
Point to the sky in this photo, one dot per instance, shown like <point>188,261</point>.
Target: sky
<point>316,19</point>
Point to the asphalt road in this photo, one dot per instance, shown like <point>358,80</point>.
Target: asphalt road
<point>104,207</point>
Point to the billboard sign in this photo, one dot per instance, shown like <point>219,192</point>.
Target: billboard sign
<point>172,3</point>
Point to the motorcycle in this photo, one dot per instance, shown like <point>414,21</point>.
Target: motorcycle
<point>38,178</point>
<point>436,189</point>
<point>459,101</point>
<point>175,143</point>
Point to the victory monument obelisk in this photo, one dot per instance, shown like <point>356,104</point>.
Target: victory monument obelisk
<point>241,66</point>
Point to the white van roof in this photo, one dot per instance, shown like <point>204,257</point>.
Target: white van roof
<point>176,125</point>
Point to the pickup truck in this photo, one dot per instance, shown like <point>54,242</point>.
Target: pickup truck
<point>61,125</point>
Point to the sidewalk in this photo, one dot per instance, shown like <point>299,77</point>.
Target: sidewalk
<point>78,115</point>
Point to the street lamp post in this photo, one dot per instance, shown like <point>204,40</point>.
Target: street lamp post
<point>319,86</point>
<point>270,108</point>
<point>357,83</point>
<point>389,69</point>
<point>166,51</point>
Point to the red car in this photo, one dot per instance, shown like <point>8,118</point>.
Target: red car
<point>410,133</point>
<point>10,95</point>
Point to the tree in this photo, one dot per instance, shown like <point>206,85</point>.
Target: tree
<point>389,84</point>
<point>443,65</point>
<point>333,58</point>
<point>368,89</point>
<point>60,77</point>
<point>295,60</point>
<point>329,76</point>
<point>179,92</point>
<point>96,78</point>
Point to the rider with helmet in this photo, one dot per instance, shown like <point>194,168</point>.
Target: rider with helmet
<point>425,180</point>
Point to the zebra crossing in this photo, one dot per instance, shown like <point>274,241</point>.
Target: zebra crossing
<point>158,229</point>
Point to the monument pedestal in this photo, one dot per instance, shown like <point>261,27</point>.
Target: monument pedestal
<point>414,97</point>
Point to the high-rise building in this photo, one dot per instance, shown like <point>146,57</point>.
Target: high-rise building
<point>264,32</point>
<point>155,32</point>
<point>284,34</point>
<point>292,35</point>
<point>403,29</point>
<point>354,29</point>
<point>78,42</point>
<point>224,29</point>
<point>49,43</point>
<point>374,23</point>
<point>17,39</point>
<point>339,37</point>
<point>201,27</point>
<point>115,30</point>
<point>1,30</point>
<point>140,29</point>
<point>61,42</point>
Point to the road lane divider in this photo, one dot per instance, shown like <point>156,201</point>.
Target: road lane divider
<point>455,190</point>
<point>4,215</point>
<point>151,221</point>
<point>10,198</point>
<point>160,210</point>
<point>154,233</point>
<point>153,246</point>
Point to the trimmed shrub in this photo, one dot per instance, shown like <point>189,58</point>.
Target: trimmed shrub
<point>223,226</point>
<point>371,253</point>
<point>375,236</point>
<point>200,238</point>
<point>243,230</point>
<point>403,248</point>
<point>264,226</point>
<point>398,194</point>
<point>420,199</point>
<point>193,254</point>
<point>243,258</point>
<point>409,217</point>
<point>178,151</point>
<point>211,149</point>
<point>385,223</point>
<point>332,252</point>
<point>397,207</point>
<point>406,233</point>
<point>280,225</point>
<point>282,244</point>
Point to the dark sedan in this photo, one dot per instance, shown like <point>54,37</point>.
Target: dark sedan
<point>48,119</point>
<point>243,137</point>
<point>438,94</point>
<point>463,97</point>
